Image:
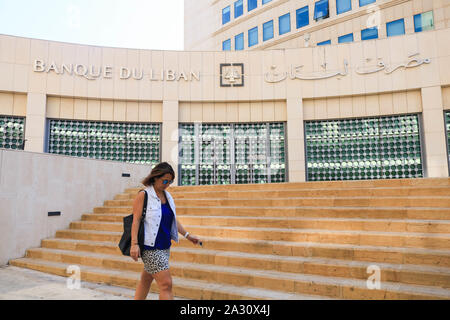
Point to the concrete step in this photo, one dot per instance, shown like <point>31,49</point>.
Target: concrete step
<point>432,182</point>
<point>349,192</point>
<point>408,274</point>
<point>423,226</point>
<point>333,287</point>
<point>307,212</point>
<point>407,201</point>
<point>320,212</point>
<point>188,288</point>
<point>370,254</point>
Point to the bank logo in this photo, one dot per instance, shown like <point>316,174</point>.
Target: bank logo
<point>231,74</point>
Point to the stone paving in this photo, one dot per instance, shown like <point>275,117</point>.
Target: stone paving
<point>24,284</point>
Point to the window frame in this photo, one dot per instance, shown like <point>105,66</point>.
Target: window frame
<point>241,8</point>
<point>392,23</point>
<point>368,29</point>
<point>224,14</point>
<point>250,33</point>
<point>264,29</point>
<point>327,15</point>
<point>302,11</point>
<point>237,37</point>
<point>279,23</point>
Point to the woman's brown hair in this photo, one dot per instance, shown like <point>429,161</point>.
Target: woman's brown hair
<point>157,172</point>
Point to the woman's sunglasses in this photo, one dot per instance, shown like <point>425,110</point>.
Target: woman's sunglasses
<point>167,181</point>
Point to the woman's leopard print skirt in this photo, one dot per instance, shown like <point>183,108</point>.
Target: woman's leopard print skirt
<point>156,260</point>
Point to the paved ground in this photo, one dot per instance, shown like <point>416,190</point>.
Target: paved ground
<point>24,284</point>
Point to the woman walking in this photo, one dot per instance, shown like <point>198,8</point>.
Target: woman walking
<point>160,227</point>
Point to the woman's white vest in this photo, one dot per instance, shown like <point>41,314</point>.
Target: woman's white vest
<point>154,215</point>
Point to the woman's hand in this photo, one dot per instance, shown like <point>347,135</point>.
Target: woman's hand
<point>194,239</point>
<point>135,252</point>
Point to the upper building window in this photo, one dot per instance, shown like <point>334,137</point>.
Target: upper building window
<point>365,2</point>
<point>265,1</point>
<point>324,43</point>
<point>321,10</point>
<point>395,28</point>
<point>238,8</point>
<point>369,33</point>
<point>343,6</point>
<point>424,21</point>
<point>253,36</point>
<point>268,30</point>
<point>302,17</point>
<point>284,24</point>
<point>239,42</point>
<point>346,38</point>
<point>226,45</point>
<point>226,15</point>
<point>252,4</point>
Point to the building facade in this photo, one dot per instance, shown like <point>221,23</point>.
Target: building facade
<point>364,109</point>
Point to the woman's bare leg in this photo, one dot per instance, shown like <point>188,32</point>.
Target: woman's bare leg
<point>143,286</point>
<point>164,281</point>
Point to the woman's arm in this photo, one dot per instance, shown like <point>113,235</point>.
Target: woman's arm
<point>190,237</point>
<point>138,206</point>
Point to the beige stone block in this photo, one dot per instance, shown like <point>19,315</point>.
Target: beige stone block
<point>80,109</point>
<point>93,109</point>
<point>414,100</point>
<point>36,104</point>
<point>35,127</point>
<point>132,111</point>
<point>7,49</point>
<point>20,105</point>
<point>170,110</point>
<point>6,103</point>
<point>432,98</point>
<point>446,97</point>
<point>308,109</point>
<point>430,120</point>
<point>359,106</point>
<point>208,111</point>
<point>22,53</point>
<point>400,102</point>
<point>320,109</point>
<point>66,110</point>
<point>268,110</point>
<point>184,112</point>
<point>7,78</point>
<point>332,108</point>
<point>256,112</point>
<point>120,111</point>
<point>280,111</point>
<point>220,111</point>
<point>372,105</point>
<point>386,103</point>
<point>196,111</point>
<point>232,112</point>
<point>107,110</point>
<point>435,143</point>
<point>157,112</point>
<point>21,78</point>
<point>346,107</point>
<point>145,111</point>
<point>244,112</point>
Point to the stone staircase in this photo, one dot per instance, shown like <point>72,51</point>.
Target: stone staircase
<point>311,240</point>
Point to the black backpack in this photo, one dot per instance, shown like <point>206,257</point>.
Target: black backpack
<point>125,241</point>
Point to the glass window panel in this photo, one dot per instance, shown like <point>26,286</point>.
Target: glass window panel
<point>369,33</point>
<point>321,10</point>
<point>226,15</point>
<point>447,130</point>
<point>343,6</point>
<point>424,21</point>
<point>252,4</point>
<point>253,36</point>
<point>12,131</point>
<point>268,30</point>
<point>395,28</point>
<point>365,2</point>
<point>346,38</point>
<point>302,17</point>
<point>370,148</point>
<point>324,43</point>
<point>265,1</point>
<point>226,45</point>
<point>239,42</point>
<point>238,8</point>
<point>284,23</point>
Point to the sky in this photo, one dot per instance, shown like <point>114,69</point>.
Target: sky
<point>137,24</point>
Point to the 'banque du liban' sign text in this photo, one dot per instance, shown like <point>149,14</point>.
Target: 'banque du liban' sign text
<point>92,72</point>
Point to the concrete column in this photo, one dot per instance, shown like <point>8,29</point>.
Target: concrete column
<point>35,122</point>
<point>435,151</point>
<point>169,152</point>
<point>295,140</point>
